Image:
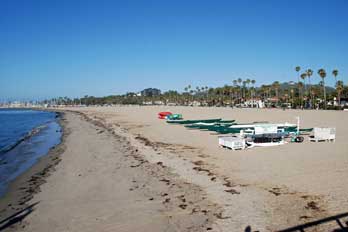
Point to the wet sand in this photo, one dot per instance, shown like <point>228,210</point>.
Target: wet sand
<point>20,191</point>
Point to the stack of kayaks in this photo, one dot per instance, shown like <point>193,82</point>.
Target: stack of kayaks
<point>174,117</point>
<point>209,126</point>
<point>193,121</point>
<point>169,116</point>
<point>231,127</point>
<point>163,115</point>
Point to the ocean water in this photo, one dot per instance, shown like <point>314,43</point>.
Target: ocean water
<point>25,136</point>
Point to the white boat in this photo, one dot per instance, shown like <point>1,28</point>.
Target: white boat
<point>264,128</point>
<point>253,125</point>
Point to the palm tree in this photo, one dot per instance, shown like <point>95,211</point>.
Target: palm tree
<point>297,69</point>
<point>339,89</point>
<point>303,77</point>
<point>239,80</point>
<point>191,93</point>
<point>234,82</point>
<point>322,74</point>
<point>276,86</point>
<point>252,94</point>
<point>207,93</point>
<point>243,83</point>
<point>253,82</point>
<point>309,73</point>
<point>292,96</point>
<point>248,83</point>
<point>263,90</point>
<point>198,90</point>
<point>300,85</point>
<point>335,73</point>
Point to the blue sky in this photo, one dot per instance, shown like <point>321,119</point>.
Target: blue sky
<point>74,48</point>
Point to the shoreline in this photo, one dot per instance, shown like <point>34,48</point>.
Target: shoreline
<point>32,132</point>
<point>22,189</point>
<point>164,200</point>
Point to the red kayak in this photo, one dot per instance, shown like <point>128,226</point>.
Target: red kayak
<point>162,115</point>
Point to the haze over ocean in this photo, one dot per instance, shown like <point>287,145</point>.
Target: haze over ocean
<point>75,48</point>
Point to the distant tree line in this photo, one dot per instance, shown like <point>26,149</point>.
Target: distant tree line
<point>300,94</point>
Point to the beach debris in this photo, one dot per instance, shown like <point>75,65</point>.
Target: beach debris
<point>139,164</point>
<point>219,216</point>
<point>204,211</point>
<point>165,180</point>
<point>198,163</point>
<point>304,217</point>
<point>167,200</point>
<point>228,183</point>
<point>183,206</point>
<point>275,191</point>
<point>200,169</point>
<point>161,164</point>
<point>232,191</point>
<point>144,140</point>
<point>195,210</point>
<point>182,198</point>
<point>312,205</point>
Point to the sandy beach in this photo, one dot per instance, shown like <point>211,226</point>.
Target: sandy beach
<point>122,169</point>
<point>90,97</point>
<point>275,187</point>
<point>103,183</point>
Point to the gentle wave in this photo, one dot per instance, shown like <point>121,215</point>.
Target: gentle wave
<point>25,137</point>
<point>9,111</point>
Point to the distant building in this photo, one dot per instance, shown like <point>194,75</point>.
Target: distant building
<point>150,92</point>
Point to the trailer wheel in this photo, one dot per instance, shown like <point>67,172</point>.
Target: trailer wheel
<point>299,139</point>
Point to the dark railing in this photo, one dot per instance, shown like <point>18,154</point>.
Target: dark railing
<point>336,218</point>
<point>16,217</point>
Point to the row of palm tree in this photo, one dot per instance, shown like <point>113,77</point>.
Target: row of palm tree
<point>239,92</point>
<point>322,74</point>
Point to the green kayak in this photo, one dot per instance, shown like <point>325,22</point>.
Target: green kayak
<point>174,117</point>
<point>306,130</point>
<point>193,121</point>
<point>209,127</point>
